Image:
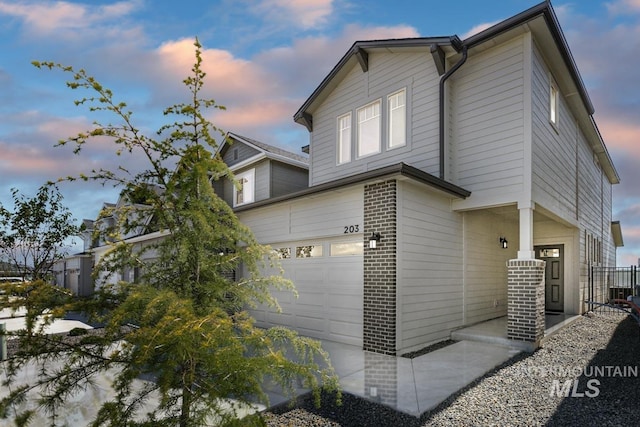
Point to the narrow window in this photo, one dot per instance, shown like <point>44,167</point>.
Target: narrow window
<point>397,119</point>
<point>245,191</point>
<point>344,138</point>
<point>369,129</point>
<point>309,251</point>
<point>554,96</point>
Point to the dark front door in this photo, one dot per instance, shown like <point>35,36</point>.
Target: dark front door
<point>553,276</point>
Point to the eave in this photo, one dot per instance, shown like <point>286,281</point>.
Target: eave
<point>398,170</point>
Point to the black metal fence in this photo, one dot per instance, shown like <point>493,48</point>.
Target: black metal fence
<point>607,283</point>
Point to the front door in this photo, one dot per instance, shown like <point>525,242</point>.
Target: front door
<point>553,276</point>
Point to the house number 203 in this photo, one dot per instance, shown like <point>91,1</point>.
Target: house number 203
<point>351,229</point>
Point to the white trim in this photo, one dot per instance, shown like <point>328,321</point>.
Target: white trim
<point>250,176</point>
<point>339,138</point>
<point>390,116</point>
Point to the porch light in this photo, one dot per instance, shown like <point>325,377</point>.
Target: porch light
<point>504,243</point>
<point>373,240</point>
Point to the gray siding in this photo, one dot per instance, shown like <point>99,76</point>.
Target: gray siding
<point>387,73</point>
<point>430,270</point>
<point>244,152</point>
<point>487,109</point>
<point>287,179</point>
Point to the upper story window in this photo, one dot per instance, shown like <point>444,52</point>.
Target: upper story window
<point>369,129</point>
<point>344,138</point>
<point>554,102</point>
<point>245,192</point>
<point>397,119</point>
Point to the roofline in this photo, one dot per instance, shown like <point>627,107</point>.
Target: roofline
<point>268,154</point>
<point>546,10</point>
<point>453,41</point>
<point>401,169</point>
<point>616,232</point>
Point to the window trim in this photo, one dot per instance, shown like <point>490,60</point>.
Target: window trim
<point>554,103</point>
<point>358,132</point>
<point>250,175</point>
<point>390,116</point>
<point>339,160</point>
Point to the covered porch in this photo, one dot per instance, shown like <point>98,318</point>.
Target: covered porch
<point>494,331</point>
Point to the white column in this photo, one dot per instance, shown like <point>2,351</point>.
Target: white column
<point>526,231</point>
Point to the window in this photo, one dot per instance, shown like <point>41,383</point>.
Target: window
<point>283,253</point>
<point>346,248</point>
<point>244,193</point>
<point>397,119</point>
<point>344,139</point>
<point>308,251</point>
<point>554,96</point>
<point>369,129</point>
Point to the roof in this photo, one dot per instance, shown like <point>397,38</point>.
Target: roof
<point>268,150</point>
<point>399,169</point>
<point>540,20</point>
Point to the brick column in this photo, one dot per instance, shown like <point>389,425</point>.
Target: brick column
<point>381,378</point>
<point>525,313</point>
<point>379,331</point>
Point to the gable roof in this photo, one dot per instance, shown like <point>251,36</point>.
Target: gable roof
<point>266,150</point>
<point>540,20</point>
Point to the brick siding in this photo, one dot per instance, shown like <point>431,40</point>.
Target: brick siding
<point>379,333</point>
<point>525,313</point>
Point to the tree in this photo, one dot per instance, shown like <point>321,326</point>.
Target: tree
<point>183,324</point>
<point>32,235</point>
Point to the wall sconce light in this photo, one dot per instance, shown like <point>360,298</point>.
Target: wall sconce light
<point>504,243</point>
<point>373,240</point>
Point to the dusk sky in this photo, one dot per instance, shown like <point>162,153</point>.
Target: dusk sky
<point>263,58</point>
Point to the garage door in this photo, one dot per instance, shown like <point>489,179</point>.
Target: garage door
<point>328,275</point>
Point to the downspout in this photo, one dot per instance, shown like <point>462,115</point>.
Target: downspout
<point>443,79</point>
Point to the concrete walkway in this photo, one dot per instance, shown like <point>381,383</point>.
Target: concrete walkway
<point>412,386</point>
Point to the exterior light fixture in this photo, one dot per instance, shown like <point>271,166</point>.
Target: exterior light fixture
<point>373,240</point>
<point>504,243</point>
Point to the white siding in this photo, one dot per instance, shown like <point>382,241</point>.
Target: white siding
<point>387,73</point>
<point>324,215</point>
<point>430,267</point>
<point>487,110</point>
<point>554,151</point>
<point>485,287</point>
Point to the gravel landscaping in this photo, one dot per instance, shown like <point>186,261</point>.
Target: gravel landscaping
<point>595,360</point>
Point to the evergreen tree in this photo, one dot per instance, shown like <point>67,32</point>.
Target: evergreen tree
<point>182,326</point>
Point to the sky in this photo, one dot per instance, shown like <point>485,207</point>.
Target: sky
<point>263,58</point>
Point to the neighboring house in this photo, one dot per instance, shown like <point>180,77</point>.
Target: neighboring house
<point>113,225</point>
<point>450,182</point>
<point>262,171</point>
<point>74,272</point>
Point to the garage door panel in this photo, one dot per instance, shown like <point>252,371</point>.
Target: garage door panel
<point>330,294</point>
<point>345,301</point>
<point>315,323</point>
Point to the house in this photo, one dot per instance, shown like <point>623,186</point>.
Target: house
<point>450,182</point>
<point>73,272</point>
<point>261,170</point>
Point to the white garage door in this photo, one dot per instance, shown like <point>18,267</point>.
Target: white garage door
<point>328,275</point>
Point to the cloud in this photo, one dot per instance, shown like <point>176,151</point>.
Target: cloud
<point>61,17</point>
<point>304,14</point>
<point>477,29</point>
<point>622,7</point>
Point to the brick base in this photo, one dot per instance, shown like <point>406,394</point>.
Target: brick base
<point>525,313</point>
<point>379,305</point>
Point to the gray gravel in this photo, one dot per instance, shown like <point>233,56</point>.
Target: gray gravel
<point>519,392</point>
